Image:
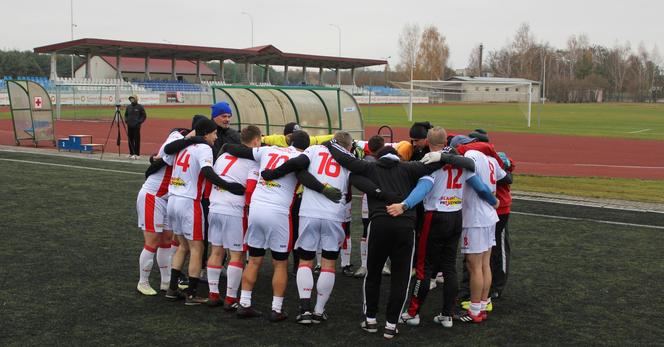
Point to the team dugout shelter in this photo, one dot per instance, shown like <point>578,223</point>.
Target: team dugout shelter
<point>316,109</point>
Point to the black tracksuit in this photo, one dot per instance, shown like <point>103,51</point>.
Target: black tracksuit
<point>134,116</point>
<point>392,237</point>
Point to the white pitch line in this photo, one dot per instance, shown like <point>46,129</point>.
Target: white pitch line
<point>639,131</point>
<point>622,166</point>
<point>589,220</point>
<point>515,212</point>
<point>72,166</point>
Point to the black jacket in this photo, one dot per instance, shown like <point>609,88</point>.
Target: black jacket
<point>134,115</point>
<point>224,136</point>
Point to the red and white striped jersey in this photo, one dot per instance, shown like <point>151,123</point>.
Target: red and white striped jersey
<point>323,166</point>
<point>157,183</point>
<point>186,178</point>
<point>275,195</point>
<point>446,195</point>
<point>231,169</point>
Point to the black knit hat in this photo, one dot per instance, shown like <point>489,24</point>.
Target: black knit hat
<point>480,134</point>
<point>290,127</point>
<point>195,120</point>
<point>300,139</point>
<point>205,126</point>
<point>419,130</point>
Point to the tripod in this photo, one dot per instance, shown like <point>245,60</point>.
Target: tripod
<point>117,118</point>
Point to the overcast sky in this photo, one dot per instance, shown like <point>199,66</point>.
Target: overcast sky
<point>369,29</point>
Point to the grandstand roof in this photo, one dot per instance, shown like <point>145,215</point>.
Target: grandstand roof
<point>137,65</point>
<point>256,55</point>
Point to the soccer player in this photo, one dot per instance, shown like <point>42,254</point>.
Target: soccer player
<point>152,219</point>
<point>478,234</point>
<point>321,224</point>
<point>227,220</point>
<point>442,192</point>
<point>192,166</point>
<point>374,144</point>
<point>391,237</point>
<point>269,223</point>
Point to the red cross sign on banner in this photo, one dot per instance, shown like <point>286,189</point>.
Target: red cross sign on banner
<point>38,102</point>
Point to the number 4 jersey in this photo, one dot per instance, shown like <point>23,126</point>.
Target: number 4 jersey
<point>327,171</point>
<point>186,178</point>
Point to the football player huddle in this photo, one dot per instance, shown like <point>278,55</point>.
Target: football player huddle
<point>262,187</point>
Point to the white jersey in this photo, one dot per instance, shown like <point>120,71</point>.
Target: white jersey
<point>187,179</point>
<point>477,212</point>
<point>446,195</point>
<point>157,183</point>
<point>327,171</point>
<point>275,195</point>
<point>231,169</point>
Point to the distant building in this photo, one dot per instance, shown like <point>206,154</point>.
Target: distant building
<point>103,67</point>
<point>490,89</point>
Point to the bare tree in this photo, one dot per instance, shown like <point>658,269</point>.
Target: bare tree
<point>617,67</point>
<point>408,44</point>
<point>473,62</point>
<point>432,55</point>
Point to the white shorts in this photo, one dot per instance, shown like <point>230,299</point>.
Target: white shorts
<point>226,231</point>
<point>151,210</point>
<point>185,217</point>
<point>269,231</point>
<point>477,240</point>
<point>315,234</point>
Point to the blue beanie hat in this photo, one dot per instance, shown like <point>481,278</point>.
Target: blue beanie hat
<point>220,108</point>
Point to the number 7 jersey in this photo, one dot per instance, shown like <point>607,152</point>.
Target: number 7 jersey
<point>186,178</point>
<point>327,171</point>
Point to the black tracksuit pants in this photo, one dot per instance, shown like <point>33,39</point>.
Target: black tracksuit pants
<point>134,140</point>
<point>388,238</point>
<point>437,251</point>
<point>500,260</point>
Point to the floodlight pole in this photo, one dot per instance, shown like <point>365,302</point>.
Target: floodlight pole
<point>72,25</point>
<point>410,96</point>
<point>251,19</point>
<point>338,72</point>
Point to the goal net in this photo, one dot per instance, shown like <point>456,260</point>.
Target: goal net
<point>492,101</point>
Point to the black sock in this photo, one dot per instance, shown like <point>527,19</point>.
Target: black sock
<point>193,285</point>
<point>305,305</point>
<point>175,276</point>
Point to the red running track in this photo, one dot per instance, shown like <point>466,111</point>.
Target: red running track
<point>550,155</point>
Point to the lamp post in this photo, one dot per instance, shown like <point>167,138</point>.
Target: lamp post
<point>338,72</point>
<point>251,68</point>
<point>71,27</point>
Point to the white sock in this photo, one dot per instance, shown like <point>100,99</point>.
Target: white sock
<point>475,308</point>
<point>277,302</point>
<point>305,281</point>
<point>345,252</point>
<point>164,262</point>
<point>371,320</point>
<point>145,261</point>
<point>363,252</point>
<point>483,305</point>
<point>233,278</point>
<point>391,326</point>
<point>213,274</point>
<point>245,298</point>
<point>324,289</point>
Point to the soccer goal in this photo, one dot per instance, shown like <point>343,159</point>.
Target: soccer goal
<point>495,97</point>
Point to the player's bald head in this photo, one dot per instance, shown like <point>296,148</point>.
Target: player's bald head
<point>437,137</point>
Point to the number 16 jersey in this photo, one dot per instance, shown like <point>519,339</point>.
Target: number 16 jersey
<point>323,166</point>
